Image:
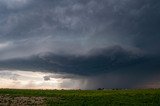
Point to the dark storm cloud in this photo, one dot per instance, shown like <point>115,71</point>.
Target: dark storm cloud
<point>97,62</point>
<point>112,67</point>
<point>77,24</point>
<point>72,24</point>
<point>79,37</point>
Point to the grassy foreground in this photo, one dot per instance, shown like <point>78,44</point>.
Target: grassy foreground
<point>148,97</point>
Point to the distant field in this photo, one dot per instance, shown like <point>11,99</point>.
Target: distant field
<point>150,97</point>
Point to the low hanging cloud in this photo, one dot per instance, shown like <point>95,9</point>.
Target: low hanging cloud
<point>98,61</point>
<point>82,38</point>
<point>61,76</point>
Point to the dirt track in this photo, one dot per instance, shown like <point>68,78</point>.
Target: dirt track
<point>7,100</point>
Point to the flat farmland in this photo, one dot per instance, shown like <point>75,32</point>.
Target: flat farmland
<point>132,97</point>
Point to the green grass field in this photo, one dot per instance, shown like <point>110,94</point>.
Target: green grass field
<point>148,97</point>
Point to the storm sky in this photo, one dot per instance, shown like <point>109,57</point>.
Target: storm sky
<point>79,44</point>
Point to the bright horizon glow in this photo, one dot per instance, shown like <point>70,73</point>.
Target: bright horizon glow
<point>17,79</point>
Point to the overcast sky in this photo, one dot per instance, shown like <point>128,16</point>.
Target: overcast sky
<point>116,40</point>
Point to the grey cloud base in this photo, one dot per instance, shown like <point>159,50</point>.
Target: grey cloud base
<point>107,68</point>
<point>101,61</point>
